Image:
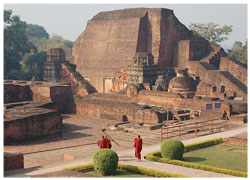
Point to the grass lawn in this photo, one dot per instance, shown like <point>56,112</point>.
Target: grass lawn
<point>119,174</point>
<point>222,155</point>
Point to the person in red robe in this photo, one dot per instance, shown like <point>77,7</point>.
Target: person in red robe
<point>138,147</point>
<point>108,142</point>
<point>102,143</point>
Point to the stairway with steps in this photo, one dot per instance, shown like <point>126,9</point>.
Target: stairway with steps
<point>77,78</point>
<point>235,81</point>
<point>149,137</point>
<point>208,66</point>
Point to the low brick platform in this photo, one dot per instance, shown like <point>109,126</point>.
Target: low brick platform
<point>29,120</point>
<point>13,161</point>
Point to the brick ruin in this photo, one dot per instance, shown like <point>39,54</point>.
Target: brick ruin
<point>57,69</point>
<point>149,56</point>
<point>33,109</point>
<point>108,46</point>
<point>135,65</point>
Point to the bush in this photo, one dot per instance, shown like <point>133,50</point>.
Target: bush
<point>147,172</point>
<point>202,144</point>
<point>125,167</point>
<point>172,149</point>
<point>105,162</point>
<point>81,168</point>
<point>157,157</point>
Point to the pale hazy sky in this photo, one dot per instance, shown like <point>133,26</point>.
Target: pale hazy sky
<point>69,20</point>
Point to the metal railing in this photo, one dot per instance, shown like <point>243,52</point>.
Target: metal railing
<point>178,130</point>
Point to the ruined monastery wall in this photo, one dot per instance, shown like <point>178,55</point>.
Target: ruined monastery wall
<point>166,99</point>
<point>234,67</point>
<point>114,110</point>
<point>112,38</point>
<point>30,126</point>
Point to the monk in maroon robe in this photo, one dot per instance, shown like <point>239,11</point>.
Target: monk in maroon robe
<point>108,142</point>
<point>138,147</point>
<point>102,143</point>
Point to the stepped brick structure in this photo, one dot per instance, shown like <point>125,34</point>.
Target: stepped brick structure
<point>111,39</point>
<point>147,56</point>
<point>57,69</point>
<point>33,109</point>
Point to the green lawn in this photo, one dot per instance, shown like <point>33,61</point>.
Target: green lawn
<point>119,174</point>
<point>222,155</point>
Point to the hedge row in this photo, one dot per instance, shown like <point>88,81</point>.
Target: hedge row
<point>202,144</point>
<point>147,172</point>
<point>82,168</point>
<point>156,156</point>
<point>130,168</point>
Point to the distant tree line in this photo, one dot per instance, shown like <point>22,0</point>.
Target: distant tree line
<point>216,33</point>
<point>26,46</point>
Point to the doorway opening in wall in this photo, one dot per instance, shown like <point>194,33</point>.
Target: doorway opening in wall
<point>124,118</point>
<point>222,89</point>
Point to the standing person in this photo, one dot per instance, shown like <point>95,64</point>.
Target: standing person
<point>108,142</point>
<point>134,145</point>
<point>102,143</point>
<point>138,147</point>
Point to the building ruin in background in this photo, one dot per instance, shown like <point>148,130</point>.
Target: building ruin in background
<point>136,65</point>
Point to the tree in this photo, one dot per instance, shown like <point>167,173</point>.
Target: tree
<point>33,64</point>
<point>54,41</point>
<point>214,33</point>
<point>239,52</point>
<point>16,44</point>
<point>34,30</point>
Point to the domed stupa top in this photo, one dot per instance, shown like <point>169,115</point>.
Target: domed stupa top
<point>182,83</point>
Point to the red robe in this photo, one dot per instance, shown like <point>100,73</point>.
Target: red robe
<point>138,147</point>
<point>102,143</point>
<point>109,143</point>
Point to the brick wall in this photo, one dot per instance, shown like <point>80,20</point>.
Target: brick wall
<point>169,100</point>
<point>15,93</point>
<point>115,110</point>
<point>38,123</point>
<point>13,161</point>
<point>234,67</point>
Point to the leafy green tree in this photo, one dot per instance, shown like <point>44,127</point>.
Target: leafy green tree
<point>239,52</point>
<point>214,33</point>
<point>33,64</point>
<point>34,30</point>
<point>16,44</point>
<point>54,41</point>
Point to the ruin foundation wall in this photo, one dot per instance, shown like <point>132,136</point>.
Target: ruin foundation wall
<point>118,111</point>
<point>32,126</point>
<point>234,67</point>
<point>13,161</point>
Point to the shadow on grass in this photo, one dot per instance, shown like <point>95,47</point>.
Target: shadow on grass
<point>194,159</point>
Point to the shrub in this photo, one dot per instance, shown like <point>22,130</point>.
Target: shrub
<point>156,156</point>
<point>105,162</point>
<point>125,167</point>
<point>147,172</point>
<point>82,168</point>
<point>202,144</point>
<point>172,149</point>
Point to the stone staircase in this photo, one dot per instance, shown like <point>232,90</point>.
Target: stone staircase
<point>213,58</point>
<point>208,66</point>
<point>149,137</point>
<point>77,80</point>
<point>235,81</point>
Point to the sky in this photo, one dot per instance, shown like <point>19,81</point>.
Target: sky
<point>70,20</point>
